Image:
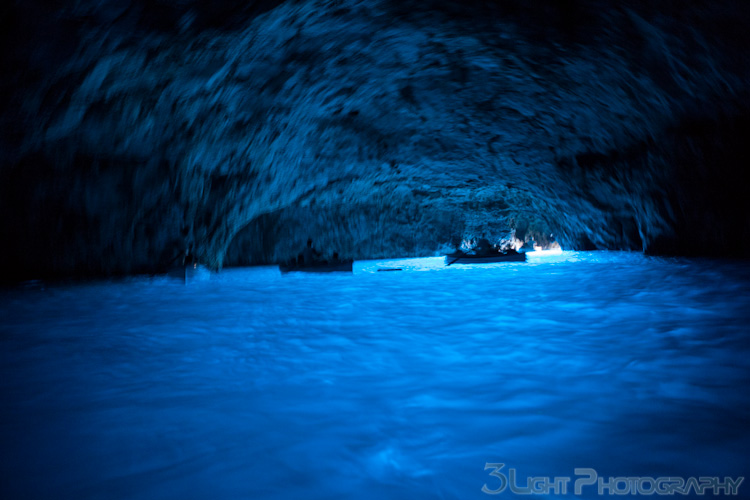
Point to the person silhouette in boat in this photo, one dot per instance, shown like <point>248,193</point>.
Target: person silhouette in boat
<point>309,254</point>
<point>484,248</point>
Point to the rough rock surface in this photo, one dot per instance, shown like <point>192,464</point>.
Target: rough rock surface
<point>131,130</point>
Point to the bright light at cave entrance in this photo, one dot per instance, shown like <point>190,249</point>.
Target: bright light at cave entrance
<point>543,253</point>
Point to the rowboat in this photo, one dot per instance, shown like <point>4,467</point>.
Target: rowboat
<point>464,258</point>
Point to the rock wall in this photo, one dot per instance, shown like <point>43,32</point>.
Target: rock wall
<point>132,130</point>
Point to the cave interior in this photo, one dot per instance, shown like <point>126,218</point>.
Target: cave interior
<point>133,131</point>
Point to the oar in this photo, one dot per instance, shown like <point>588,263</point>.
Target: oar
<point>456,259</point>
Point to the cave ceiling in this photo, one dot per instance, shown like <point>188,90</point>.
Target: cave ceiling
<point>133,130</point>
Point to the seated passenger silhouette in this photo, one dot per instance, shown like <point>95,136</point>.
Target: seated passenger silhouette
<point>309,254</point>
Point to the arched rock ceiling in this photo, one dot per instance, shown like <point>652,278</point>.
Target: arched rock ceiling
<point>382,128</point>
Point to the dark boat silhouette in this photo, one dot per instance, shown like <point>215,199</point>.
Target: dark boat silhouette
<point>464,258</point>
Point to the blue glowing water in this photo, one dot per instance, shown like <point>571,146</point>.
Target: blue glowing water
<point>376,385</point>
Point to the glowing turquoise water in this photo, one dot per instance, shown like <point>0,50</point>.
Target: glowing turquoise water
<point>378,384</point>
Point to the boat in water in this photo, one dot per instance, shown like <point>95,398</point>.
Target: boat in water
<point>343,266</point>
<point>465,258</point>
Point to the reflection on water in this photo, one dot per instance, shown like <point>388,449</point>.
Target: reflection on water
<point>376,385</point>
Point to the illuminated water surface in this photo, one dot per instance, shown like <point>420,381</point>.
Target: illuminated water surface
<point>404,384</point>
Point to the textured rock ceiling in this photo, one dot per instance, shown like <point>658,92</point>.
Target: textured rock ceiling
<point>133,129</point>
